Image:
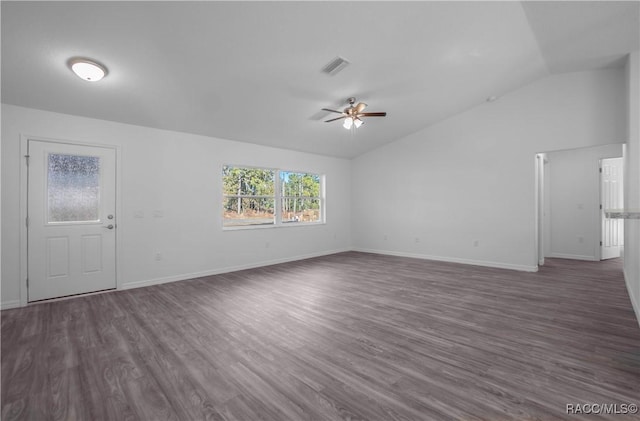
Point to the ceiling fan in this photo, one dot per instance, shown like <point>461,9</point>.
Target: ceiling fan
<point>352,114</point>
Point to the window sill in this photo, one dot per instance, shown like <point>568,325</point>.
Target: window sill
<point>268,226</point>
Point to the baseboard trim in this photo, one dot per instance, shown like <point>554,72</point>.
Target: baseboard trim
<point>158,281</point>
<point>634,303</point>
<point>573,256</point>
<point>183,277</point>
<point>6,305</point>
<point>485,263</point>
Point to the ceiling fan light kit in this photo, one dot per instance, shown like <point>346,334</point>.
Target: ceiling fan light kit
<point>353,114</point>
<point>352,122</point>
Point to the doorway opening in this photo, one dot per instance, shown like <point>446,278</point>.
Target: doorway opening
<point>571,200</point>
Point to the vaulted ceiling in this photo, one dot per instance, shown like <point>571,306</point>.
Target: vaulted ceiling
<point>251,71</point>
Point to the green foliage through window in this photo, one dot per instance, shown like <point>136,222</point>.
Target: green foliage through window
<point>300,197</point>
<point>251,197</point>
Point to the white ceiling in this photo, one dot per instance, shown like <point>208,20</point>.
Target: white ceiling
<point>251,71</point>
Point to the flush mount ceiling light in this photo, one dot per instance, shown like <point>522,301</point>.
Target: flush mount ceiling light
<point>86,69</point>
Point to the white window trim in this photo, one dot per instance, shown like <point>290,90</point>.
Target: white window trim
<point>278,201</point>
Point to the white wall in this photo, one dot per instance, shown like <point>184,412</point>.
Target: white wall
<point>472,177</point>
<point>574,201</point>
<point>632,184</point>
<point>179,175</point>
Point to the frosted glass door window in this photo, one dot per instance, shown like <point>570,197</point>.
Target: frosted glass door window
<point>73,188</point>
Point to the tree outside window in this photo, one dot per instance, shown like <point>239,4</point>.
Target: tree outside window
<point>251,197</point>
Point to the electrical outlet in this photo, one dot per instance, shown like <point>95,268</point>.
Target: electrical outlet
<point>476,243</point>
<point>417,239</point>
<point>580,239</point>
<point>267,245</point>
<point>158,256</point>
<point>385,237</point>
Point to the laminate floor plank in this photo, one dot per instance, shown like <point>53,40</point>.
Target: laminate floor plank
<point>350,336</point>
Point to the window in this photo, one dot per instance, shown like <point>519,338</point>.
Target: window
<point>267,197</point>
<point>249,196</point>
<point>73,188</point>
<point>300,194</point>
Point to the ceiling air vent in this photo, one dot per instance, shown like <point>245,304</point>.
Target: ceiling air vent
<point>335,66</point>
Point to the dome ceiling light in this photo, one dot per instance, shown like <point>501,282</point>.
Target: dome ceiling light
<point>87,69</point>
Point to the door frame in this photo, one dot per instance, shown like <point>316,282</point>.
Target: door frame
<point>24,186</point>
<point>539,202</point>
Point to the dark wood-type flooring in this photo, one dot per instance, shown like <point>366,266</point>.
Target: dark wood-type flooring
<point>348,336</point>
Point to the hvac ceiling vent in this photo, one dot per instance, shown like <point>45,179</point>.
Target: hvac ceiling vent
<point>335,66</point>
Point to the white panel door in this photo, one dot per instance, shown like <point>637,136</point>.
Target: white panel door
<point>71,225</point>
<point>611,191</point>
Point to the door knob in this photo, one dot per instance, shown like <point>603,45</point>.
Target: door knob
<point>109,227</point>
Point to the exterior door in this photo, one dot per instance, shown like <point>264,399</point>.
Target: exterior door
<point>611,191</point>
<point>71,219</point>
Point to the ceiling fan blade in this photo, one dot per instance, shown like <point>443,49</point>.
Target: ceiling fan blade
<point>361,106</point>
<point>383,114</point>
<point>333,111</point>
<point>334,119</point>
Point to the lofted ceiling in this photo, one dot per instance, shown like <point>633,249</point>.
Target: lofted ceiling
<point>251,71</point>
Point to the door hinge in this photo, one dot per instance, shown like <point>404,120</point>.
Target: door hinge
<point>600,169</point>
<point>26,221</point>
<point>600,205</point>
<point>26,157</point>
<point>27,282</point>
<point>601,243</point>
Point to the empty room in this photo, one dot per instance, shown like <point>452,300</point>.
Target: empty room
<point>320,210</point>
